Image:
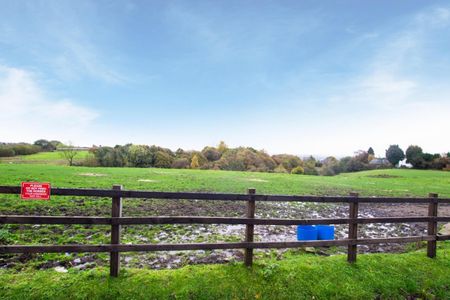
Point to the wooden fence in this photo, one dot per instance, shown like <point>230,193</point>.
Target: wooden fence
<point>116,220</point>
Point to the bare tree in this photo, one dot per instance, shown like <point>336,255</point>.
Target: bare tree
<point>69,152</point>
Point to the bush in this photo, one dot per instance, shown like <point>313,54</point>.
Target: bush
<point>25,149</point>
<point>90,161</point>
<point>298,170</point>
<point>45,145</point>
<point>211,153</point>
<point>288,161</point>
<point>327,171</point>
<point>6,152</point>
<point>180,163</point>
<point>280,169</point>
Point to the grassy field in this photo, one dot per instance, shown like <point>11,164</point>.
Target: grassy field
<point>298,276</point>
<point>374,276</point>
<point>54,158</point>
<point>391,182</point>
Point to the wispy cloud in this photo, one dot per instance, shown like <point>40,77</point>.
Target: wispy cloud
<point>29,113</point>
<point>79,57</point>
<point>60,38</point>
<point>388,99</point>
<point>249,36</point>
<point>387,80</point>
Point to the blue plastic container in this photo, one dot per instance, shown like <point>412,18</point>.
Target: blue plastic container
<point>306,233</point>
<point>325,232</point>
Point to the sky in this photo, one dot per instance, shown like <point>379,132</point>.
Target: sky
<point>299,77</point>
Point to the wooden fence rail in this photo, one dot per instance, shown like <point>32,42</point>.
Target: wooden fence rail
<point>117,220</point>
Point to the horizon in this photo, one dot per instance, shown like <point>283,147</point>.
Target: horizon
<point>303,156</point>
<point>287,77</point>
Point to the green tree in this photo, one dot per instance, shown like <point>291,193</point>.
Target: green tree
<point>140,156</point>
<point>69,153</point>
<point>45,145</point>
<point>163,160</point>
<point>414,156</point>
<point>394,154</point>
<point>370,151</point>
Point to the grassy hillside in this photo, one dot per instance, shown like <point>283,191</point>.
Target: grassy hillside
<point>375,276</point>
<point>54,158</point>
<point>392,182</point>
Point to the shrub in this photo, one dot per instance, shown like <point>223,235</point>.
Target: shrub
<point>25,149</point>
<point>288,161</point>
<point>280,169</point>
<point>6,152</point>
<point>180,163</point>
<point>90,161</point>
<point>211,153</point>
<point>297,170</point>
<point>45,145</point>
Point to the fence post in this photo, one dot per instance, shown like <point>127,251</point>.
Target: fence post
<point>353,229</point>
<point>249,228</point>
<point>432,224</point>
<point>116,212</point>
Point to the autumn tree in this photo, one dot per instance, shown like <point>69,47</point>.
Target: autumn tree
<point>222,147</point>
<point>194,162</point>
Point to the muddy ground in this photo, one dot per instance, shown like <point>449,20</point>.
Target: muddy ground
<point>231,233</point>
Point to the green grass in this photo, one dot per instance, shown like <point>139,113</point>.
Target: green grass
<point>392,182</point>
<point>374,276</point>
<point>54,158</point>
<point>387,276</point>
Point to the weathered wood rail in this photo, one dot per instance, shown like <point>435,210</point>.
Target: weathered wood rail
<point>116,220</point>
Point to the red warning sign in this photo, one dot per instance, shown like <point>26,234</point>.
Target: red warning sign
<point>35,190</point>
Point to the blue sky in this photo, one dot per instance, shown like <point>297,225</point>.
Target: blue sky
<point>302,77</point>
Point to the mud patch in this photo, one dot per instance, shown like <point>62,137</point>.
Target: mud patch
<point>92,174</point>
<point>383,176</point>
<point>256,180</point>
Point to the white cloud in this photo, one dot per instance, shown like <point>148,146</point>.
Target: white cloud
<point>28,113</point>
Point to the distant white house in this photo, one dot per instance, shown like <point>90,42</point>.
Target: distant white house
<point>404,164</point>
<point>379,162</point>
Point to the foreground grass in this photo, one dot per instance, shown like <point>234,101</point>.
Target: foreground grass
<point>385,276</point>
<point>392,182</point>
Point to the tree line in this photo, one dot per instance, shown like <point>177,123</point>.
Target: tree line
<point>222,157</point>
<point>13,149</point>
<point>417,158</point>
